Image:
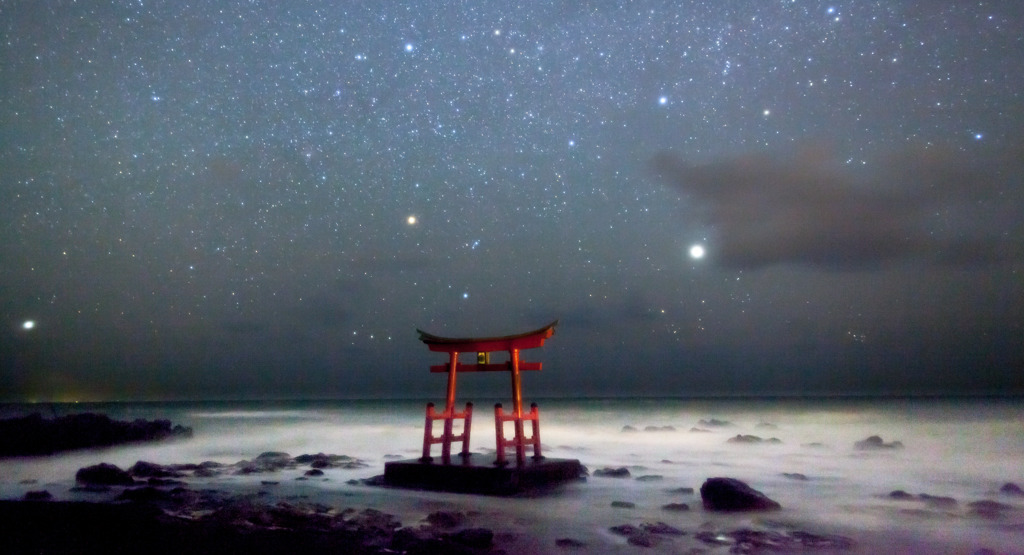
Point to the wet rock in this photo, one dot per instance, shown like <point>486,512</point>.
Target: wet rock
<point>569,543</point>
<point>103,474</point>
<point>713,423</point>
<point>770,541</point>
<point>1010,488</point>
<point>988,508</point>
<point>876,442</point>
<point>659,429</point>
<point>662,529</point>
<point>766,426</point>
<point>623,505</point>
<point>621,472</point>
<point>938,501</point>
<point>730,494</point>
<point>795,476</point>
<point>314,472</point>
<point>477,538</point>
<point>628,428</point>
<point>700,430</point>
<point>165,482</point>
<point>38,495</point>
<point>34,435</point>
<point>741,438</point>
<point>624,530</point>
<point>143,469</point>
<point>146,494</point>
<point>677,507</point>
<point>682,491</point>
<point>900,494</point>
<point>446,519</point>
<point>650,478</point>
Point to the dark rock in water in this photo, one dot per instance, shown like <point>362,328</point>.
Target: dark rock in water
<point>143,469</point>
<point>875,442</point>
<point>663,529</point>
<point>103,474</point>
<point>446,519</point>
<point>740,438</point>
<point>813,445</point>
<point>730,494</point>
<point>477,538</point>
<point>650,478</point>
<point>621,472</point>
<point>988,509</point>
<point>623,504</point>
<point>714,423</point>
<point>314,472</point>
<point>659,429</point>
<point>1010,488</point>
<point>39,495</point>
<point>164,482</point>
<point>796,476</point>
<point>628,428</point>
<point>144,495</point>
<point>678,507</point>
<point>770,541</point>
<point>34,435</point>
<point>773,440</point>
<point>939,501</point>
<point>569,543</point>
<point>766,426</point>
<point>700,430</point>
<point>624,530</point>
<point>900,494</point>
<point>682,491</point>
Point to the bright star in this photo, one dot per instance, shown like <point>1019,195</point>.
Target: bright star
<point>408,47</point>
<point>697,252</point>
<point>411,220</point>
<point>663,100</point>
<point>28,324</point>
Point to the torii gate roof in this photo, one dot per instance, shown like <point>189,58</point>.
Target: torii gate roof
<point>528,340</point>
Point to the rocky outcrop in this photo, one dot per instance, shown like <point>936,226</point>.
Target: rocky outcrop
<point>751,439</point>
<point>103,474</point>
<point>875,442</point>
<point>1010,488</point>
<point>34,435</point>
<point>730,494</point>
<point>621,472</point>
<point>713,423</point>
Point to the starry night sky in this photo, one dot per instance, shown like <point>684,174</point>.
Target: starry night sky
<point>265,199</point>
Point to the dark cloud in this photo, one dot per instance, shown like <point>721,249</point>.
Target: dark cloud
<point>926,205</point>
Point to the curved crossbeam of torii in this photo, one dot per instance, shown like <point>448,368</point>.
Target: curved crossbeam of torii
<point>483,346</point>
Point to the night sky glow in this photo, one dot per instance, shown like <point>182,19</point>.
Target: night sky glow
<point>265,199</point>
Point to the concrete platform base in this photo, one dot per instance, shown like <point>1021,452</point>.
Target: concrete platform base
<point>478,474</point>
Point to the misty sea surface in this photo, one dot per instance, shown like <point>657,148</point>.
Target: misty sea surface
<point>964,448</point>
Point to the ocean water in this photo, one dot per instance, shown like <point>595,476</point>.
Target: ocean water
<point>953,447</point>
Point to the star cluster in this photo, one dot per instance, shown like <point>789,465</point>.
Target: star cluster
<point>238,189</point>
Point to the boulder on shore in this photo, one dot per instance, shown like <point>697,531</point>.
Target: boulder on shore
<point>875,442</point>
<point>104,474</point>
<point>730,494</point>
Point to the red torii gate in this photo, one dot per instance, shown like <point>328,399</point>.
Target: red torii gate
<point>483,346</point>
